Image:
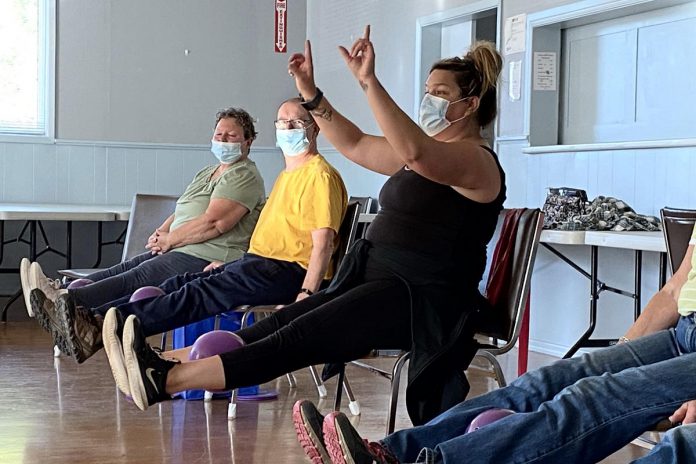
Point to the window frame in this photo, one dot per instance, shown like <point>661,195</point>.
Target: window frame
<point>47,59</point>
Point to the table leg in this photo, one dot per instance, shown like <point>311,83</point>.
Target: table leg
<point>637,276</point>
<point>68,245</point>
<point>594,296</point>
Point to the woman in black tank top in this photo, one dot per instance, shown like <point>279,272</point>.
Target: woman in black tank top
<point>413,282</point>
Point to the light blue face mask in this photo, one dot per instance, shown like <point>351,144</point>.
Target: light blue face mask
<point>226,152</point>
<point>432,114</point>
<point>292,141</point>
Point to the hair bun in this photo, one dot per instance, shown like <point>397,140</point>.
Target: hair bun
<point>488,63</point>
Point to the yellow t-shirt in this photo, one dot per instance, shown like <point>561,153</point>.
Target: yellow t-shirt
<point>302,200</point>
<point>687,296</point>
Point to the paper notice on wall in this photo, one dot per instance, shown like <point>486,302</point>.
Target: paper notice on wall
<point>515,80</point>
<point>515,34</point>
<point>544,70</point>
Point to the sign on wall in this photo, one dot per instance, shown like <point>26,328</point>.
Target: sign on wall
<point>281,32</point>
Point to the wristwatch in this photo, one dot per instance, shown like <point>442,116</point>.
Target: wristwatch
<point>314,102</point>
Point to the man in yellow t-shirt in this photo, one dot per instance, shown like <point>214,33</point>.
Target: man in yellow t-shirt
<point>288,258</point>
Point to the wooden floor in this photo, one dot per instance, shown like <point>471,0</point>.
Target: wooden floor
<point>55,411</point>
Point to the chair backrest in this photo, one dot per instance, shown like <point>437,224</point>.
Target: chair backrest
<point>148,212</point>
<point>677,226</point>
<point>347,231</point>
<point>505,318</point>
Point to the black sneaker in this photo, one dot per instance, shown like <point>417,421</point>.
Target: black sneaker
<point>45,313</point>
<point>82,328</point>
<point>346,446</point>
<point>147,371</point>
<point>112,333</point>
<point>308,426</point>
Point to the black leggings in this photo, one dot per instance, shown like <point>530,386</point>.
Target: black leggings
<point>320,329</point>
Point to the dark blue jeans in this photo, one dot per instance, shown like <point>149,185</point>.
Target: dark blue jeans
<point>252,280</point>
<point>128,276</point>
<point>576,410</point>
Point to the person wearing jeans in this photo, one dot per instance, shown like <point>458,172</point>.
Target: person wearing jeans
<point>575,410</point>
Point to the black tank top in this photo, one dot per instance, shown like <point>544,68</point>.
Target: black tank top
<point>432,219</point>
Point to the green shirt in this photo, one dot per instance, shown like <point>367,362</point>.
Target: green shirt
<point>242,183</point>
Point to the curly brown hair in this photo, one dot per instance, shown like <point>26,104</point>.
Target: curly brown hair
<point>243,118</point>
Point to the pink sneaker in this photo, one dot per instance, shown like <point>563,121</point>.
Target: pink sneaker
<point>308,426</point>
<point>346,446</point>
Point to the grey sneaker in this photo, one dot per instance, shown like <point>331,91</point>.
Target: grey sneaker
<point>45,313</point>
<point>308,426</point>
<point>112,333</point>
<point>81,328</point>
<point>346,446</point>
<point>50,287</point>
<point>147,370</point>
<point>24,265</point>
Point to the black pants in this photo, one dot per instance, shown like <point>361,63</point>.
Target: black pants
<point>323,328</point>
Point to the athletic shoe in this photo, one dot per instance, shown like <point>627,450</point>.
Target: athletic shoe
<point>346,446</point>
<point>308,426</point>
<point>147,371</point>
<point>24,265</point>
<point>112,333</point>
<point>50,287</point>
<point>82,328</point>
<point>45,314</point>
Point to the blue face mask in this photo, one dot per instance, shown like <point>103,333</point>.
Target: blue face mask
<point>226,152</point>
<point>432,114</point>
<point>292,141</point>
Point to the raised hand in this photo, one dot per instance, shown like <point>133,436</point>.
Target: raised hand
<point>300,67</point>
<point>361,58</point>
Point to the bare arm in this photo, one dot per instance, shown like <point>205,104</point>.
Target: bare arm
<point>369,151</point>
<point>220,216</point>
<point>462,164</point>
<point>322,249</point>
<point>661,311</point>
<point>165,226</point>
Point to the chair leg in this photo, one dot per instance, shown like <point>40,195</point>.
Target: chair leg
<point>321,388</point>
<point>497,370</point>
<point>232,407</point>
<point>291,379</point>
<point>396,378</point>
<point>56,352</point>
<point>353,404</point>
<point>339,388</point>
<point>163,342</point>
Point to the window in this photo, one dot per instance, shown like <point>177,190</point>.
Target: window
<point>27,38</point>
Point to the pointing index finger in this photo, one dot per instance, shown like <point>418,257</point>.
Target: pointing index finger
<point>308,50</point>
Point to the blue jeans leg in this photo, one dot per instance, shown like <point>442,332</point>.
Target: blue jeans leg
<point>678,446</point>
<point>686,333</point>
<point>252,280</point>
<point>575,410</point>
<point>140,271</point>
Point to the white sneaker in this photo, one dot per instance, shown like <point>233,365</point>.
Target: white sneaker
<point>25,278</point>
<point>112,337</point>
<point>50,287</point>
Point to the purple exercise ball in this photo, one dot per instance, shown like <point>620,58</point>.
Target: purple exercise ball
<point>488,417</point>
<point>214,343</point>
<point>79,283</point>
<point>146,292</point>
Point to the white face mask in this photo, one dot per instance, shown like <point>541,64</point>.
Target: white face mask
<point>292,141</point>
<point>432,114</point>
<point>226,152</point>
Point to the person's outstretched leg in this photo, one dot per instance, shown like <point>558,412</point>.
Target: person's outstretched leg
<point>251,280</point>
<point>150,271</point>
<point>527,393</point>
<point>678,446</point>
